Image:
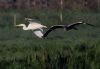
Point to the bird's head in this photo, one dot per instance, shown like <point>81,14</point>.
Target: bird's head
<point>21,25</point>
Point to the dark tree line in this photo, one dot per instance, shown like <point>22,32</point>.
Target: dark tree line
<point>50,4</point>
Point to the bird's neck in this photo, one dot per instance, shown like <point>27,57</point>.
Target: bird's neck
<point>24,27</point>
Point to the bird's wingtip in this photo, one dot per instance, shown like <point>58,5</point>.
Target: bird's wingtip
<point>88,24</point>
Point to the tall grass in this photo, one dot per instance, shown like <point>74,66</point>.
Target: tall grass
<point>64,50</point>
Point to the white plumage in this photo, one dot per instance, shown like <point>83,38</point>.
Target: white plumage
<point>38,33</point>
<point>36,27</point>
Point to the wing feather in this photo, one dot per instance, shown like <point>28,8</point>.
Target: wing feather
<point>76,24</point>
<point>52,28</point>
<point>73,25</point>
<point>38,32</point>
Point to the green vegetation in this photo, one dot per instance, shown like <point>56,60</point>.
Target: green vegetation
<point>64,50</point>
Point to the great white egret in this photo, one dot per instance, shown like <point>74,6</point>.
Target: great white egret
<point>66,27</point>
<point>36,27</point>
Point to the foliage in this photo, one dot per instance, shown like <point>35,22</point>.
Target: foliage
<point>64,50</point>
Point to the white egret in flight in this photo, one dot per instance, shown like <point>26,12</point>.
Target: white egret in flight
<point>36,27</point>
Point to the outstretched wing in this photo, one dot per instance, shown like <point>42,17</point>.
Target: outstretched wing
<point>38,33</point>
<point>90,24</point>
<point>73,25</point>
<point>51,29</point>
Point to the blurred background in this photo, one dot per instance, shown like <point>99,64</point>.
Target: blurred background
<point>87,5</point>
<point>60,50</point>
